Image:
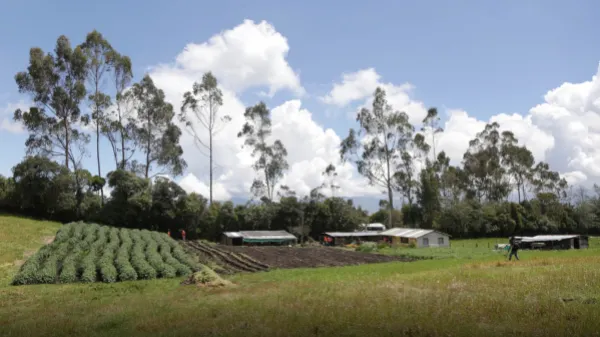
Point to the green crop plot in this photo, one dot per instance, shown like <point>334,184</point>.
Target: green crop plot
<point>84,252</point>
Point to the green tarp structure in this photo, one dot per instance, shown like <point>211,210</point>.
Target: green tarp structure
<point>267,240</point>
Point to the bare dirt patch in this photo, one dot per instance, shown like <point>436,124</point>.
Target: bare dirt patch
<point>232,259</point>
<point>26,255</point>
<point>310,257</point>
<point>48,239</point>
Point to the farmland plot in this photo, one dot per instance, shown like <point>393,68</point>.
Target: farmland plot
<point>91,253</point>
<point>311,257</point>
<point>225,262</point>
<point>234,259</point>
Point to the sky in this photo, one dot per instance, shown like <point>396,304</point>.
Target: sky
<point>529,65</point>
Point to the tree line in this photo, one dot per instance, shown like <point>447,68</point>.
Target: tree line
<point>497,189</point>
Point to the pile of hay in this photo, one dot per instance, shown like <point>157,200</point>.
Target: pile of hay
<point>206,277</point>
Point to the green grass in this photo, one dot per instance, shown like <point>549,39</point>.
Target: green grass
<point>483,249</point>
<point>478,296</point>
<point>20,238</point>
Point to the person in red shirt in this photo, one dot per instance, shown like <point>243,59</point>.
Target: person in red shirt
<point>169,233</point>
<point>183,234</point>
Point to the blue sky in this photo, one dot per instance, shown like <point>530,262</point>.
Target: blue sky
<point>486,57</point>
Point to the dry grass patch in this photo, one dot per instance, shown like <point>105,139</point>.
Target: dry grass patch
<point>206,277</point>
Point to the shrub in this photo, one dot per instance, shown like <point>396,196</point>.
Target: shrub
<point>154,258</point>
<point>180,268</point>
<point>178,253</point>
<point>138,258</point>
<point>68,273</point>
<point>31,267</point>
<point>78,232</point>
<point>89,234</point>
<point>412,244</point>
<point>367,247</point>
<point>65,232</point>
<point>49,272</point>
<point>89,262</point>
<point>184,258</point>
<point>106,265</point>
<point>165,252</point>
<point>124,267</point>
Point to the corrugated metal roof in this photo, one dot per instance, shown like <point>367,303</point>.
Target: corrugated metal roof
<point>407,232</point>
<point>538,238</point>
<point>351,234</point>
<point>265,235</point>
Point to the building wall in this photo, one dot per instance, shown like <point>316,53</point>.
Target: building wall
<point>433,240</point>
<point>583,242</point>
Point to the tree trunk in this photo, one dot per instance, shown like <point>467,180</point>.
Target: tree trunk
<point>268,185</point>
<point>210,150</point>
<point>148,146</point>
<point>98,155</point>
<point>433,142</point>
<point>121,130</point>
<point>302,229</point>
<point>67,139</point>
<point>389,188</point>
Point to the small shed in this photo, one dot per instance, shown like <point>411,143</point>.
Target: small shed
<point>421,237</point>
<point>258,237</point>
<point>571,241</point>
<point>343,238</point>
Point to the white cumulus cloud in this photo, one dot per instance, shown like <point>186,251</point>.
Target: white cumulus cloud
<point>249,55</point>
<point>252,55</point>
<point>360,86</point>
<point>6,117</point>
<point>562,130</point>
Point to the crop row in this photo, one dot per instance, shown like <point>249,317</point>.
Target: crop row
<point>84,252</point>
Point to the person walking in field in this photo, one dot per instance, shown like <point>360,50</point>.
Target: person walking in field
<point>514,249</point>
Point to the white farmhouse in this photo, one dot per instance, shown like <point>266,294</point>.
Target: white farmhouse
<point>421,237</point>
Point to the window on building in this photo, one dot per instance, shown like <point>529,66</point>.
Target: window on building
<point>403,240</point>
<point>440,241</point>
<point>425,241</point>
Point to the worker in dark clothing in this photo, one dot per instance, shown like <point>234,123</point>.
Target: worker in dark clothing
<point>514,249</point>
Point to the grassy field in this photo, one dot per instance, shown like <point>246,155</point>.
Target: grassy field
<point>465,294</point>
<point>479,249</point>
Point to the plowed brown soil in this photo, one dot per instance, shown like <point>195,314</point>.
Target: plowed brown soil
<point>310,257</point>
